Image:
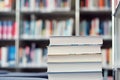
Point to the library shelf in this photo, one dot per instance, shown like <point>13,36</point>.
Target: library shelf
<point>5,42</point>
<point>41,69</point>
<point>49,13</point>
<point>12,12</point>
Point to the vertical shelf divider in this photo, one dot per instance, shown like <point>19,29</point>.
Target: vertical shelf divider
<point>77,17</point>
<point>17,32</point>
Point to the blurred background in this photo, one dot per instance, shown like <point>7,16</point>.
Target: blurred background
<point>26,25</point>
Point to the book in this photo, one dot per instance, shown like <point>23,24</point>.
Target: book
<point>75,58</point>
<point>74,66</point>
<point>4,55</point>
<point>11,55</point>
<point>75,40</point>
<point>71,50</point>
<point>6,5</point>
<point>75,76</point>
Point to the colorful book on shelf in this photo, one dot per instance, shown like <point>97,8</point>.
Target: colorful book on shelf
<point>6,5</point>
<point>95,4</point>
<point>32,55</point>
<point>7,29</point>
<point>46,28</point>
<point>11,55</point>
<point>96,27</point>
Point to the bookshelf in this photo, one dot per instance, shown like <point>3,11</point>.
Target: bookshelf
<point>76,12</point>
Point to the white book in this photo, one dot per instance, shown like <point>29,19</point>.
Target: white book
<point>47,25</point>
<point>38,28</point>
<point>75,40</point>
<point>76,76</point>
<point>69,27</point>
<point>62,50</point>
<point>32,5</point>
<point>38,56</point>
<point>4,57</point>
<point>75,58</point>
<point>74,66</point>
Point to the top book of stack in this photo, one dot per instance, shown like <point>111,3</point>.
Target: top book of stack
<point>75,40</point>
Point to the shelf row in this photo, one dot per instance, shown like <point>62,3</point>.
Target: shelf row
<point>54,5</point>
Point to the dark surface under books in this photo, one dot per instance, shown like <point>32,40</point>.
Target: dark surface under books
<point>19,74</point>
<point>20,78</point>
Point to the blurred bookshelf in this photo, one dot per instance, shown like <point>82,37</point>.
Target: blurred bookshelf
<point>32,22</point>
<point>96,19</point>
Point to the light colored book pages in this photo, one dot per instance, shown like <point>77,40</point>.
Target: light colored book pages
<point>76,76</point>
<point>75,40</point>
<point>75,58</point>
<point>61,50</point>
<point>74,66</point>
<point>4,57</point>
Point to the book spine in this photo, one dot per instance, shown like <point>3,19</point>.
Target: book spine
<point>4,55</point>
<point>14,30</point>
<point>11,55</point>
<point>10,26</point>
<point>0,30</point>
<point>5,30</point>
<point>101,3</point>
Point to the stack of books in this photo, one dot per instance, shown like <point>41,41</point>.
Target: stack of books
<point>75,58</point>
